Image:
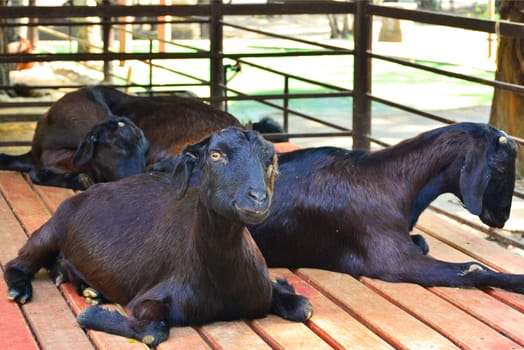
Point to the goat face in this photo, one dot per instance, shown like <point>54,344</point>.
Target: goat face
<point>496,203</point>
<point>488,178</point>
<point>113,150</point>
<point>236,168</point>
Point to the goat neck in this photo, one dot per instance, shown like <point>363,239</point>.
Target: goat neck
<point>212,231</point>
<point>423,167</point>
<point>228,250</point>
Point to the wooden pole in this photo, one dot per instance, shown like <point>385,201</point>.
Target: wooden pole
<point>164,29</point>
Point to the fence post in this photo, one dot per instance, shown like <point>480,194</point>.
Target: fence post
<point>4,67</point>
<point>362,77</point>
<point>107,41</point>
<point>217,77</point>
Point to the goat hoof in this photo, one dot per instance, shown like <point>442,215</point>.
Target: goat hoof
<point>90,293</point>
<point>148,340</point>
<point>308,311</point>
<point>20,295</point>
<point>85,181</point>
<point>92,296</point>
<point>156,333</point>
<point>471,269</point>
<point>91,301</point>
<point>59,279</point>
<point>301,311</point>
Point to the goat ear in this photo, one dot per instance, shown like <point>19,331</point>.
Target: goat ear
<point>183,167</point>
<point>474,178</point>
<point>84,152</point>
<point>182,171</point>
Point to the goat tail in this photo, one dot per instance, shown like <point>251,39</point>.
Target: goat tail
<point>430,272</point>
<point>23,162</point>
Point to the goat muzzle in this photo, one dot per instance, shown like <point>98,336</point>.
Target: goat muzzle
<point>252,215</point>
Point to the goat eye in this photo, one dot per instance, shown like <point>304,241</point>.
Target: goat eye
<point>215,155</point>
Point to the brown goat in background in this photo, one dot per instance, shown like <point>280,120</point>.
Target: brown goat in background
<point>62,152</point>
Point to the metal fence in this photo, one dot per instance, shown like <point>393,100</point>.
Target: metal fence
<point>115,18</point>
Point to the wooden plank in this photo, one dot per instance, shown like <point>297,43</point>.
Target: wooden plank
<point>463,329</point>
<point>184,338</point>
<point>476,246</point>
<point>53,196</point>
<point>232,335</point>
<point>10,232</point>
<point>286,334</point>
<point>393,324</point>
<point>22,199</point>
<point>470,241</point>
<point>281,333</point>
<point>14,332</point>
<point>48,313</point>
<point>330,322</point>
<point>497,314</point>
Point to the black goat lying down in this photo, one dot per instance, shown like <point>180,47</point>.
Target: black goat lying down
<point>178,252</point>
<point>69,143</point>
<point>352,212</point>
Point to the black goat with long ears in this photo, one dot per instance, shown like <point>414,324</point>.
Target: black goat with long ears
<point>352,211</point>
<point>174,251</point>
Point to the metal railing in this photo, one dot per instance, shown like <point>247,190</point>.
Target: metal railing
<point>221,93</point>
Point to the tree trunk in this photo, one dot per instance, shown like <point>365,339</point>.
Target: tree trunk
<point>507,108</point>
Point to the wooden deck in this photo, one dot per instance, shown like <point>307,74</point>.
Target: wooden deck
<point>348,313</point>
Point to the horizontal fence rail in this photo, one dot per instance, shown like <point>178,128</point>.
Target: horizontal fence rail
<point>116,17</point>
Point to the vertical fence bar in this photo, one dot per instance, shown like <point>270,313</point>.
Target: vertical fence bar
<point>4,68</point>
<point>286,103</point>
<point>150,63</point>
<point>106,39</point>
<point>362,77</point>
<point>217,77</point>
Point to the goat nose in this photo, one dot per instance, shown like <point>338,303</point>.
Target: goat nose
<point>257,195</point>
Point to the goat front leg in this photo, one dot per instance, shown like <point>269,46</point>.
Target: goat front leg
<point>39,251</point>
<point>421,243</point>
<point>150,332</point>
<point>70,180</point>
<point>19,288</point>
<point>287,304</point>
<point>429,272</point>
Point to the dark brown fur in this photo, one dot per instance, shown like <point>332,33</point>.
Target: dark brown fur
<point>169,123</point>
<point>175,251</point>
